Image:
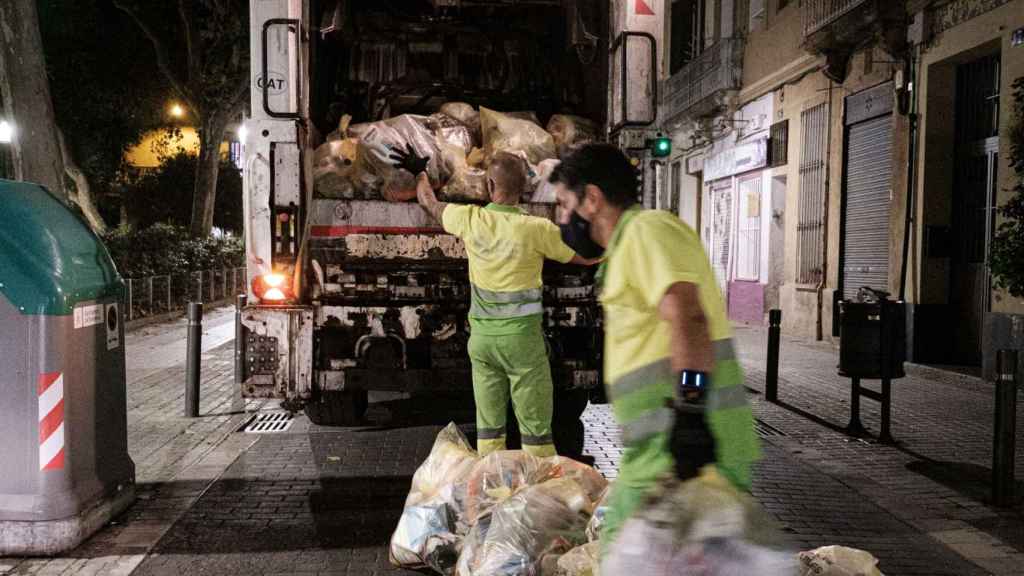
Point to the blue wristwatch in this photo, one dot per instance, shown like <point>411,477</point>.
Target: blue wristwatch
<point>693,386</point>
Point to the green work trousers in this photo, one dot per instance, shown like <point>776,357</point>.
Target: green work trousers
<point>512,364</point>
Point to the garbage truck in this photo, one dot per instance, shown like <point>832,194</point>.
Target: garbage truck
<point>353,293</point>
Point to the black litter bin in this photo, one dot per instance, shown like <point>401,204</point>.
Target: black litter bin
<point>872,346</point>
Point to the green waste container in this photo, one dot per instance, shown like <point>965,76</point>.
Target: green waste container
<point>64,449</point>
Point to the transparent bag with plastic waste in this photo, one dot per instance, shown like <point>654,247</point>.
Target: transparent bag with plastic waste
<point>570,131</point>
<point>467,115</point>
<point>702,527</point>
<point>597,518</point>
<point>544,191</point>
<point>426,532</point>
<point>377,141</point>
<point>838,561</point>
<point>505,133</point>
<point>496,477</point>
<point>524,529</point>
<point>467,183</point>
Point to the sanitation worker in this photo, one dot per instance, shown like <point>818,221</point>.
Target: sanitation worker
<point>506,249</point>
<point>671,373</point>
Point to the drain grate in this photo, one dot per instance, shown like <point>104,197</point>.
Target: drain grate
<point>765,430</point>
<point>269,423</point>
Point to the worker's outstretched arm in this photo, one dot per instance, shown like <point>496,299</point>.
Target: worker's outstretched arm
<point>426,197</point>
<point>691,346</point>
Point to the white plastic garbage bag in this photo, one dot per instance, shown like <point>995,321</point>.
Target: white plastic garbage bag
<point>426,532</point>
<point>544,191</point>
<point>700,527</point>
<point>523,530</point>
<point>838,561</point>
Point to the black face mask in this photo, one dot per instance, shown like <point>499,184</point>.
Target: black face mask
<point>576,234</point>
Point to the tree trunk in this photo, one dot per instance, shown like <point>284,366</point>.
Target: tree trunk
<point>204,194</point>
<point>83,197</point>
<point>26,96</point>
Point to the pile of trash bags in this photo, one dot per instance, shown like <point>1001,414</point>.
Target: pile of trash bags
<point>513,514</point>
<point>460,141</point>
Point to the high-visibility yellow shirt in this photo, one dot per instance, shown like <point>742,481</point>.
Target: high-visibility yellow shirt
<point>506,249</point>
<point>653,251</point>
<point>649,252</point>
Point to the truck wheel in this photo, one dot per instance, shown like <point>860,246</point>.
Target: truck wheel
<point>338,408</point>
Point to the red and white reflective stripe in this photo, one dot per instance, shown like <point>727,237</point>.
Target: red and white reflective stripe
<point>51,421</point>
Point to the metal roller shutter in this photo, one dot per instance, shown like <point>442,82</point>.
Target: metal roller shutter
<point>868,198</point>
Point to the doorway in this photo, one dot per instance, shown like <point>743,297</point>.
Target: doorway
<point>974,194</point>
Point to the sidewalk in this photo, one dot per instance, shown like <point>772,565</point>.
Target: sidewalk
<point>935,480</point>
<point>176,458</point>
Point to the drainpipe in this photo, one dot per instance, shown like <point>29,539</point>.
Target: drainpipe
<point>911,171</point>
<point>819,329</point>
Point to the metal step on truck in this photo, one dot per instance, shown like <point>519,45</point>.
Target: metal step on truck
<point>357,294</point>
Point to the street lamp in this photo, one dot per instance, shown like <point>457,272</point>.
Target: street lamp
<point>177,111</point>
<point>6,132</point>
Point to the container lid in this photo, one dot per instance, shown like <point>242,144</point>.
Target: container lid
<point>49,257</point>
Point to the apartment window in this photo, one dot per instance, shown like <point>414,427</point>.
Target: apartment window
<point>778,144</point>
<point>811,220</point>
<point>687,32</point>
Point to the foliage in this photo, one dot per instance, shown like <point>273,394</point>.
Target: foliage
<point>105,96</point>
<point>164,195</point>
<point>167,249</point>
<point>1007,255</point>
<point>201,49</point>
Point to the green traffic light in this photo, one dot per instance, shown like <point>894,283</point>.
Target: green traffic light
<point>661,147</point>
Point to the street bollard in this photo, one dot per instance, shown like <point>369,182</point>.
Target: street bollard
<point>193,350</point>
<point>1003,442</point>
<point>771,379</point>
<point>240,303</point>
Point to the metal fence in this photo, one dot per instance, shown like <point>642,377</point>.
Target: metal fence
<point>154,295</point>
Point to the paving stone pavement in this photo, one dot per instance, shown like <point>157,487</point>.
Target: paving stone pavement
<point>176,458</point>
<point>316,500</point>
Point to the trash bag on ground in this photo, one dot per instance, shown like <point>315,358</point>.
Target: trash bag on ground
<point>597,518</point>
<point>465,114</point>
<point>580,561</point>
<point>592,482</point>
<point>504,132</point>
<point>426,532</point>
<point>570,131</point>
<point>497,476</point>
<point>703,527</point>
<point>521,531</point>
<point>838,561</point>
<point>544,191</point>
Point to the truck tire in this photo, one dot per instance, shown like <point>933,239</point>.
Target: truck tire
<point>338,408</point>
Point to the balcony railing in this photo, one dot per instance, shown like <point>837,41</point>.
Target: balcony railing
<point>692,91</point>
<point>819,14</point>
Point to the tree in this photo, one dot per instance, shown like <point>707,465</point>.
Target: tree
<point>1007,255</point>
<point>40,153</point>
<point>202,49</point>
<point>105,97</point>
<point>163,195</point>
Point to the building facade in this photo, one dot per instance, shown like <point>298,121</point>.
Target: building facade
<point>803,129</point>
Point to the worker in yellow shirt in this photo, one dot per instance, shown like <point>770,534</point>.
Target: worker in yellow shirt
<point>670,373</point>
<point>506,249</point>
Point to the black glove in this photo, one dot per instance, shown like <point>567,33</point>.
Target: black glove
<point>691,441</point>
<point>409,160</point>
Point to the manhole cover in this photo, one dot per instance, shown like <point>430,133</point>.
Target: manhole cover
<point>765,430</point>
<point>269,423</point>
